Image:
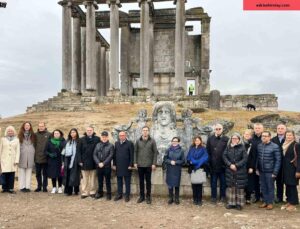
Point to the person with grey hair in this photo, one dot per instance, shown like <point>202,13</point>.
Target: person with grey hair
<point>9,158</point>
<point>216,144</point>
<point>235,159</point>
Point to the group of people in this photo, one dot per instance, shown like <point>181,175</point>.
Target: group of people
<point>244,165</point>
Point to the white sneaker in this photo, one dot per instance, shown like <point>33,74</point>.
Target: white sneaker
<point>60,191</point>
<point>53,191</point>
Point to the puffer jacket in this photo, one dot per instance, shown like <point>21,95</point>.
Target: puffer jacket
<point>104,153</point>
<point>268,158</point>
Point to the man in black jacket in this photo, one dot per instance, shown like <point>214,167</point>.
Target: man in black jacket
<point>279,140</point>
<point>216,145</point>
<point>268,165</point>
<point>123,163</point>
<point>103,155</point>
<point>85,150</point>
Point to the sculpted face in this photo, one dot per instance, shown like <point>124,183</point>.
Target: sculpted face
<point>164,116</point>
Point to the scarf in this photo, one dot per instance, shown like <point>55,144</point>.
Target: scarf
<point>27,135</point>
<point>56,142</point>
<point>285,146</point>
<point>71,152</point>
<point>10,138</point>
<point>174,148</point>
<point>198,156</point>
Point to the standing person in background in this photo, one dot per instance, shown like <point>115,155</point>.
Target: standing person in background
<point>42,136</point>
<point>85,152</point>
<point>71,179</point>
<point>235,158</point>
<point>174,159</point>
<point>279,140</point>
<point>216,144</point>
<point>27,141</point>
<point>197,158</point>
<point>289,169</point>
<point>145,157</point>
<point>123,163</point>
<point>53,151</point>
<point>252,159</point>
<point>9,158</point>
<point>103,155</point>
<point>247,136</point>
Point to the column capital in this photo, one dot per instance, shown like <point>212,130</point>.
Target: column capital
<point>90,2</point>
<point>205,20</point>
<point>112,2</point>
<point>75,14</point>
<point>175,1</point>
<point>146,1</point>
<point>65,3</point>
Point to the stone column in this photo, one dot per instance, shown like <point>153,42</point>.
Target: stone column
<point>83,59</point>
<point>107,74</point>
<point>114,87</point>
<point>66,45</point>
<point>98,67</point>
<point>125,59</point>
<point>103,72</point>
<point>205,52</point>
<point>90,45</point>
<point>151,56</point>
<point>76,60</point>
<point>144,47</point>
<point>179,86</point>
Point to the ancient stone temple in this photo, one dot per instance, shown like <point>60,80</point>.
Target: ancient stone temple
<point>158,58</point>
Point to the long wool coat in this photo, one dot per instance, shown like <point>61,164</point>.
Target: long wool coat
<point>26,154</point>
<point>9,154</point>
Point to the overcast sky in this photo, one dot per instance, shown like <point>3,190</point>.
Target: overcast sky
<point>251,52</point>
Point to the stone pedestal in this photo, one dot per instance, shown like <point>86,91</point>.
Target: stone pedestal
<point>214,100</point>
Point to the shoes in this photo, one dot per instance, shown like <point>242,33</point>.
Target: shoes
<point>239,207</point>
<point>127,198</point>
<point>195,202</point>
<point>177,201</point>
<point>27,190</point>
<point>170,201</point>
<point>11,191</point>
<point>68,194</point>
<point>148,200</point>
<point>228,206</point>
<point>99,195</point>
<point>54,190</point>
<point>3,191</point>
<point>108,196</point>
<point>269,207</point>
<point>38,190</point>
<point>283,207</point>
<point>248,202</point>
<point>213,200</point>
<point>291,208</point>
<point>60,191</point>
<point>83,196</point>
<point>223,200</point>
<point>118,197</point>
<point>93,196</point>
<point>140,199</point>
<point>23,190</point>
<point>45,190</point>
<point>200,203</point>
<point>263,205</point>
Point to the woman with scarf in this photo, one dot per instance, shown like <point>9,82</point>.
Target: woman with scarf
<point>9,158</point>
<point>71,167</point>
<point>290,149</point>
<point>247,136</point>
<point>27,140</point>
<point>197,158</point>
<point>174,159</point>
<point>53,151</point>
<point>235,159</point>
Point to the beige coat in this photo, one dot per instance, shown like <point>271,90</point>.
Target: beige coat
<point>26,154</point>
<point>9,154</point>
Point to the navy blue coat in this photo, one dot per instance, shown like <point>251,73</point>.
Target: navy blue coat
<point>123,157</point>
<point>173,173</point>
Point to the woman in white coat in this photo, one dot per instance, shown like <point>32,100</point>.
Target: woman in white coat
<point>9,158</point>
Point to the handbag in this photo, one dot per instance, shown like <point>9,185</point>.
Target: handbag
<point>198,176</point>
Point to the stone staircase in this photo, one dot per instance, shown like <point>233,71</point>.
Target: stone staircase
<point>65,101</point>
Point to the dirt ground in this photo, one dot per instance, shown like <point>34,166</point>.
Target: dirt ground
<point>45,210</point>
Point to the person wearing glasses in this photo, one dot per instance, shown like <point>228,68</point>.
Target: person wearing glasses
<point>216,144</point>
<point>235,158</point>
<point>268,165</point>
<point>174,159</point>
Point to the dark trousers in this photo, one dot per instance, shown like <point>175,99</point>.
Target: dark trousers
<point>9,181</point>
<point>41,175</point>
<point>59,179</point>
<point>70,189</point>
<point>171,193</point>
<point>145,174</point>
<point>267,187</point>
<point>214,184</point>
<point>279,186</point>
<point>127,185</point>
<point>101,173</point>
<point>292,194</point>
<point>197,192</point>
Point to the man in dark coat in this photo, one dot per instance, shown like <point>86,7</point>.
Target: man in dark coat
<point>103,155</point>
<point>216,144</point>
<point>279,140</point>
<point>85,150</point>
<point>145,157</point>
<point>268,165</point>
<point>123,163</point>
<point>253,179</point>
<point>40,159</point>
